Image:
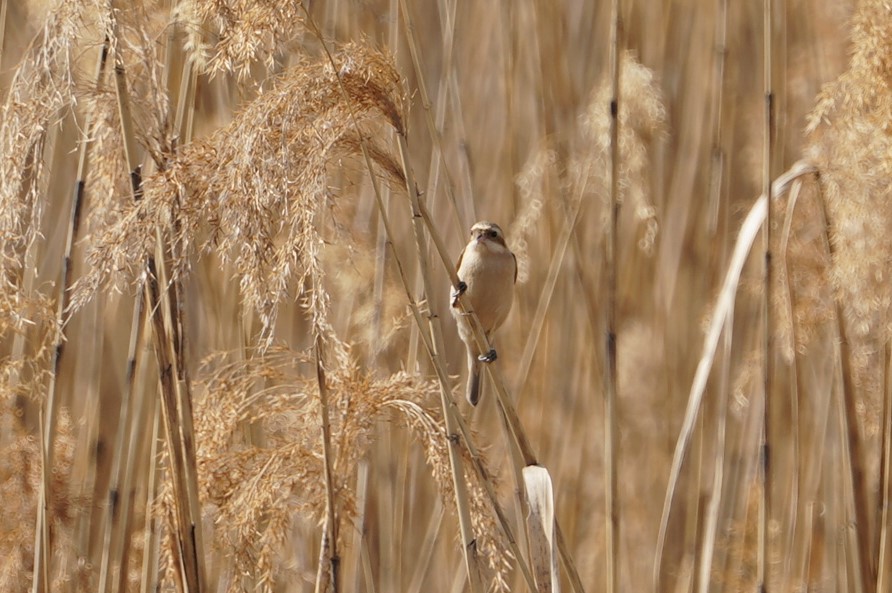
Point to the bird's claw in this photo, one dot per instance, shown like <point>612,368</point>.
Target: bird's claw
<point>489,356</point>
<point>457,291</point>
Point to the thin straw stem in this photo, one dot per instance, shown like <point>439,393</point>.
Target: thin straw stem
<point>611,453</point>
<point>328,579</point>
<point>883,578</point>
<point>763,559</point>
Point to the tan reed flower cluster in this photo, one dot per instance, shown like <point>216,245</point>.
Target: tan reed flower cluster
<point>255,491</point>
<point>224,37</point>
<point>851,144</point>
<point>253,191</point>
<point>642,119</point>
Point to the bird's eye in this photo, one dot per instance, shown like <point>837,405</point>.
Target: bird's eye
<point>492,234</point>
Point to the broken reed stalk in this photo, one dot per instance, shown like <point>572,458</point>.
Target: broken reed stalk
<point>176,403</point>
<point>611,242</point>
<point>724,303</point>
<point>855,491</point>
<point>768,390</point>
<point>326,580</point>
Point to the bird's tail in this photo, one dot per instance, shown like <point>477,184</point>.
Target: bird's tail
<point>473,393</point>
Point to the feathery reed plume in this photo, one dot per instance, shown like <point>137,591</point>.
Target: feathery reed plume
<point>253,191</point>
<point>258,492</point>
<point>850,144</point>
<point>641,119</point>
<point>42,86</point>
<point>244,31</point>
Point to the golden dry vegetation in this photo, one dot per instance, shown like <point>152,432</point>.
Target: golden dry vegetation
<point>228,229</point>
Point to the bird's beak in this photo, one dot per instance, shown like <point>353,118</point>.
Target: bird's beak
<point>480,238</point>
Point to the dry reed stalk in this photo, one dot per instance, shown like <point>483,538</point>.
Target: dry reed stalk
<point>117,524</point>
<point>3,7</point>
<point>768,379</point>
<point>883,533</point>
<point>611,243</point>
<point>48,423</point>
<point>717,194</point>
<point>328,578</point>
<point>40,87</point>
<point>136,409</point>
<point>790,305</point>
<point>152,528</point>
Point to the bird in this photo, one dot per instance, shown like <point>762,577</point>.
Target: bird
<point>487,273</point>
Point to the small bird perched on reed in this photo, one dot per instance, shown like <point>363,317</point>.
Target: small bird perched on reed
<point>487,271</point>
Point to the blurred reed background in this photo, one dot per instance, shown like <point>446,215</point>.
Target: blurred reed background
<point>214,335</point>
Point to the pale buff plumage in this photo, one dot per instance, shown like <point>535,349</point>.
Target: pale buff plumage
<point>488,271</point>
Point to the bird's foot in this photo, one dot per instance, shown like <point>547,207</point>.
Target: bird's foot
<point>489,356</point>
<point>457,291</point>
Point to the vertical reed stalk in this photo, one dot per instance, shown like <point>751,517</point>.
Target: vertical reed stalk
<point>883,564</point>
<point>717,224</point>
<point>3,7</point>
<point>328,578</point>
<point>151,530</point>
<point>611,429</point>
<point>768,389</point>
